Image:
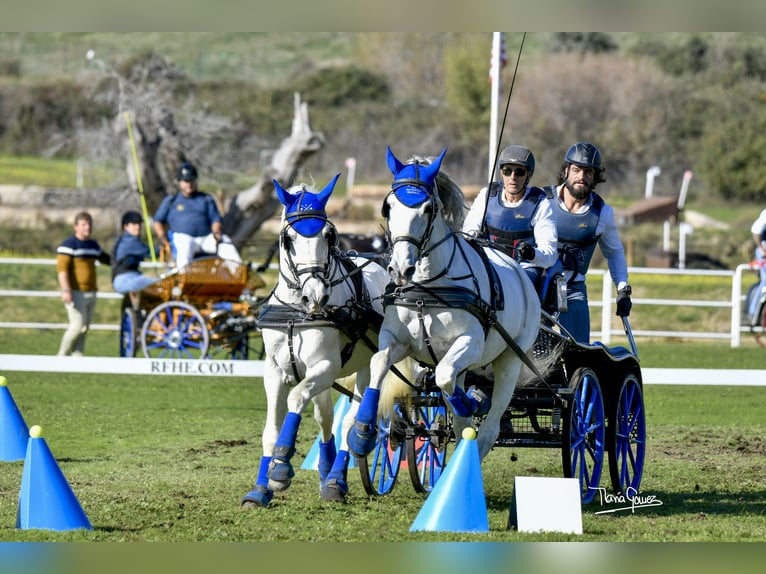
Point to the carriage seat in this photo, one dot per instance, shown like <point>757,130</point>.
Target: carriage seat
<point>546,287</point>
<point>616,352</point>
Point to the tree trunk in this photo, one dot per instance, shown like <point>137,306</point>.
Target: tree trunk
<point>250,208</point>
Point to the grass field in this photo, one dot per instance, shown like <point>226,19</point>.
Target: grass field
<point>166,459</point>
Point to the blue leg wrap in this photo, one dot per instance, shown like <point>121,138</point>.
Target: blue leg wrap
<point>363,436</point>
<point>261,494</point>
<point>327,454</point>
<point>288,434</point>
<point>263,479</point>
<point>368,408</point>
<point>462,405</point>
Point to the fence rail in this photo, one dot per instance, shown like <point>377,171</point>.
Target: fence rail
<point>604,305</point>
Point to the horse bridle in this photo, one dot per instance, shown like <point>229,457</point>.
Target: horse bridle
<point>323,272</point>
<point>419,243</point>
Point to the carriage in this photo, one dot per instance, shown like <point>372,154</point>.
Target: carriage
<point>585,400</point>
<point>203,310</point>
<point>589,405</point>
<point>755,300</point>
<point>445,311</point>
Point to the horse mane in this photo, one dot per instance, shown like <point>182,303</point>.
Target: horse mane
<point>449,193</point>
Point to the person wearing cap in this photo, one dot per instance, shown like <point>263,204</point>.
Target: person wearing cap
<point>514,216</point>
<point>584,220</point>
<point>76,270</point>
<point>189,222</point>
<point>127,254</point>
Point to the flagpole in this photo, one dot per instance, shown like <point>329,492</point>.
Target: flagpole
<point>494,78</point>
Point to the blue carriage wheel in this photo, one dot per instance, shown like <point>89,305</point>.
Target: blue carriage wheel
<point>583,439</point>
<point>627,445</point>
<point>128,332</point>
<point>380,468</point>
<point>175,330</point>
<point>427,448</point>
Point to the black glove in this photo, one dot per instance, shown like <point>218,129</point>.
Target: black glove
<point>525,251</point>
<point>623,301</point>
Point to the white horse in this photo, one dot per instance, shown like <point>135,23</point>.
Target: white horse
<point>455,306</point>
<point>319,325</point>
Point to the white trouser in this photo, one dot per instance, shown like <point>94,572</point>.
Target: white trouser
<point>187,246</point>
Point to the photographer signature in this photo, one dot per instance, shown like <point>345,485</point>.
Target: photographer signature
<point>631,498</point>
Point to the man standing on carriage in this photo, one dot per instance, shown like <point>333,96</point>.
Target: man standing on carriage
<point>584,220</point>
<point>516,218</point>
<point>189,222</point>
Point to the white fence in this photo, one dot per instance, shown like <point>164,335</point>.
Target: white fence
<point>605,305</point>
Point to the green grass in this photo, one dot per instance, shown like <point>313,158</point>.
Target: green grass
<point>167,459</point>
<point>53,173</point>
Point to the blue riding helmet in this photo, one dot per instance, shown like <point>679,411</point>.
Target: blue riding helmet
<point>584,154</point>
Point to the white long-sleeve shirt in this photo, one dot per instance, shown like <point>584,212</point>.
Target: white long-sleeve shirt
<point>608,240</point>
<point>543,227</point>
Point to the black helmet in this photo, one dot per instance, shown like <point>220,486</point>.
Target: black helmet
<point>585,155</point>
<point>519,155</point>
<point>131,217</point>
<point>187,172</point>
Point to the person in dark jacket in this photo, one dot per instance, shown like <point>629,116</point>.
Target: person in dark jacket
<point>128,253</point>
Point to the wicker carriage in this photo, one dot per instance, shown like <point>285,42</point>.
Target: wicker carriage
<point>203,310</point>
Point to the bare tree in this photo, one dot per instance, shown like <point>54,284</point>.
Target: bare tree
<point>251,207</point>
<point>156,133</point>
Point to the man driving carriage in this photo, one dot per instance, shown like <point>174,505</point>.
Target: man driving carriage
<point>516,217</point>
<point>584,220</point>
<point>189,223</point>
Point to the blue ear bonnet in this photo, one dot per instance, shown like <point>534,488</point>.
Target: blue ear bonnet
<point>307,215</point>
<point>304,210</point>
<point>410,189</point>
<point>413,182</point>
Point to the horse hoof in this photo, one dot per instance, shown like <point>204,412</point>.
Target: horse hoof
<point>259,497</point>
<point>333,492</point>
<point>280,475</point>
<point>362,439</point>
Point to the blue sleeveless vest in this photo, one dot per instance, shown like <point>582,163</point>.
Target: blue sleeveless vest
<point>507,226</point>
<point>577,232</point>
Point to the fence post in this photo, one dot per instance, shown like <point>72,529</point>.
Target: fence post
<point>736,305</point>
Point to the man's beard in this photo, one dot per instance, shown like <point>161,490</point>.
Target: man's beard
<point>578,194</point>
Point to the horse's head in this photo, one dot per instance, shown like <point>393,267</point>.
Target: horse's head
<point>411,209</point>
<point>306,242</point>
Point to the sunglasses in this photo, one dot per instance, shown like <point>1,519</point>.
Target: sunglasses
<point>518,171</point>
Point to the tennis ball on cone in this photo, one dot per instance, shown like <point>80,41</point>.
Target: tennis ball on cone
<point>36,431</point>
<point>469,433</point>
<point>3,381</point>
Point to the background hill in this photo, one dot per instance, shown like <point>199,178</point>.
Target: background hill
<point>677,101</point>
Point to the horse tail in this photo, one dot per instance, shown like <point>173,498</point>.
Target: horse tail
<point>394,387</point>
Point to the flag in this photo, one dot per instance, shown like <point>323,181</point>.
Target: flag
<point>503,59</point>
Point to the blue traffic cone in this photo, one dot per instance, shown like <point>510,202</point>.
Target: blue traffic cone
<point>311,462</point>
<point>457,503</point>
<point>13,430</point>
<point>46,500</point>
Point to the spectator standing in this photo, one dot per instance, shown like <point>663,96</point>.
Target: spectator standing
<point>584,220</point>
<point>188,222</point>
<point>76,268</point>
